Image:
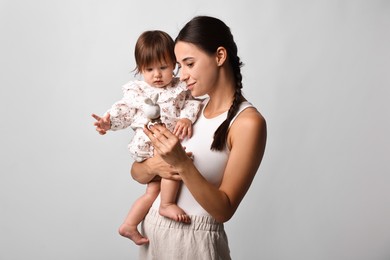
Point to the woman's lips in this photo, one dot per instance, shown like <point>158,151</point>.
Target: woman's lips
<point>190,86</point>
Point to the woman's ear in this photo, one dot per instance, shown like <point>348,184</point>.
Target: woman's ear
<point>221,56</point>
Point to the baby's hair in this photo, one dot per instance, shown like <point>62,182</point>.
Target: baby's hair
<point>208,34</point>
<point>154,46</point>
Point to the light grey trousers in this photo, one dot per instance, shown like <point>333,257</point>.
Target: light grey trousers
<point>203,239</point>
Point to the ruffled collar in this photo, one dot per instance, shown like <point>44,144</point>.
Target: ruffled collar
<point>165,94</point>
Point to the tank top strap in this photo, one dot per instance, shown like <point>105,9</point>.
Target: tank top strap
<point>244,105</point>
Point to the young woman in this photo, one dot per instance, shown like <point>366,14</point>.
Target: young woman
<point>227,147</point>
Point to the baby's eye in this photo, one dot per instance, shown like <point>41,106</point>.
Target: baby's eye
<point>163,67</point>
<point>149,69</point>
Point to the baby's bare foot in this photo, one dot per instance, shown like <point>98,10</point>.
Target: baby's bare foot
<point>132,233</point>
<point>174,212</point>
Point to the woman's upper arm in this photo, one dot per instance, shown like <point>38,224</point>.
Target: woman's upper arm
<point>246,153</point>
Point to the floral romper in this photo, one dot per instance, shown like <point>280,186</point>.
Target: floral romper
<point>174,100</point>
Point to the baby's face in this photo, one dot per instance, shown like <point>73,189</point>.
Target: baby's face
<point>158,75</point>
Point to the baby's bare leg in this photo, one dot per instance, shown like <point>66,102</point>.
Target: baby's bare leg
<point>168,206</point>
<point>138,212</point>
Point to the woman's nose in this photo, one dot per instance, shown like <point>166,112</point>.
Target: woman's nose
<point>183,75</point>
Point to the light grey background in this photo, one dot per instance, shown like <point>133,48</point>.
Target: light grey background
<point>317,70</point>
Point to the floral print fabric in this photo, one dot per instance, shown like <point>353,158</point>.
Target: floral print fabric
<point>174,100</point>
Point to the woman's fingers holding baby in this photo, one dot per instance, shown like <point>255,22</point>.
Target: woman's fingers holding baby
<point>166,144</point>
<point>159,132</point>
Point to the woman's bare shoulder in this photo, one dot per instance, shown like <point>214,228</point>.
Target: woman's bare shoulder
<point>249,125</point>
<point>250,117</point>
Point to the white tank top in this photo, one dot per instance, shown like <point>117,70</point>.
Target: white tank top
<point>211,164</point>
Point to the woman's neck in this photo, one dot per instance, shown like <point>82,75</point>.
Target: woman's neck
<point>222,94</point>
<point>220,102</point>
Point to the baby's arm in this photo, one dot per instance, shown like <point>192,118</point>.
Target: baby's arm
<point>121,114</point>
<point>183,128</point>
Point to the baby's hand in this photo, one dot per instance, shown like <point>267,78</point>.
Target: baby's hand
<point>183,128</point>
<point>103,124</point>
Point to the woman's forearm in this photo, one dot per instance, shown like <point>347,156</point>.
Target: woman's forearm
<point>153,169</point>
<point>214,200</point>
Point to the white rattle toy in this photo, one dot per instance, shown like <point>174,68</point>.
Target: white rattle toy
<point>152,110</point>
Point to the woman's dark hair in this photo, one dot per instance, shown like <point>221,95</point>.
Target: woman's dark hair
<point>208,34</point>
<point>154,46</point>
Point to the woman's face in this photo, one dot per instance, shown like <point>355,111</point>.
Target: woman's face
<point>197,68</point>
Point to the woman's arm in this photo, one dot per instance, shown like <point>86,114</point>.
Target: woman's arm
<point>246,153</point>
<point>153,169</point>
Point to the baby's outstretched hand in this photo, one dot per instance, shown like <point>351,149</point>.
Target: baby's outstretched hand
<point>103,124</point>
<point>183,128</point>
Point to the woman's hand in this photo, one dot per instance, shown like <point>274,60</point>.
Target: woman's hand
<point>167,145</point>
<point>158,167</point>
<point>153,169</point>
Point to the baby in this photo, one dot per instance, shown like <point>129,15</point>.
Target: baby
<point>156,62</point>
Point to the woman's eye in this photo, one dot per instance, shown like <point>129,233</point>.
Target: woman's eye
<point>190,65</point>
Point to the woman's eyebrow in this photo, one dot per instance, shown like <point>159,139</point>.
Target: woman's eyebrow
<point>186,59</point>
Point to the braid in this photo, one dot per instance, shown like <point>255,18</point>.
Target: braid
<point>220,135</point>
<point>209,33</point>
